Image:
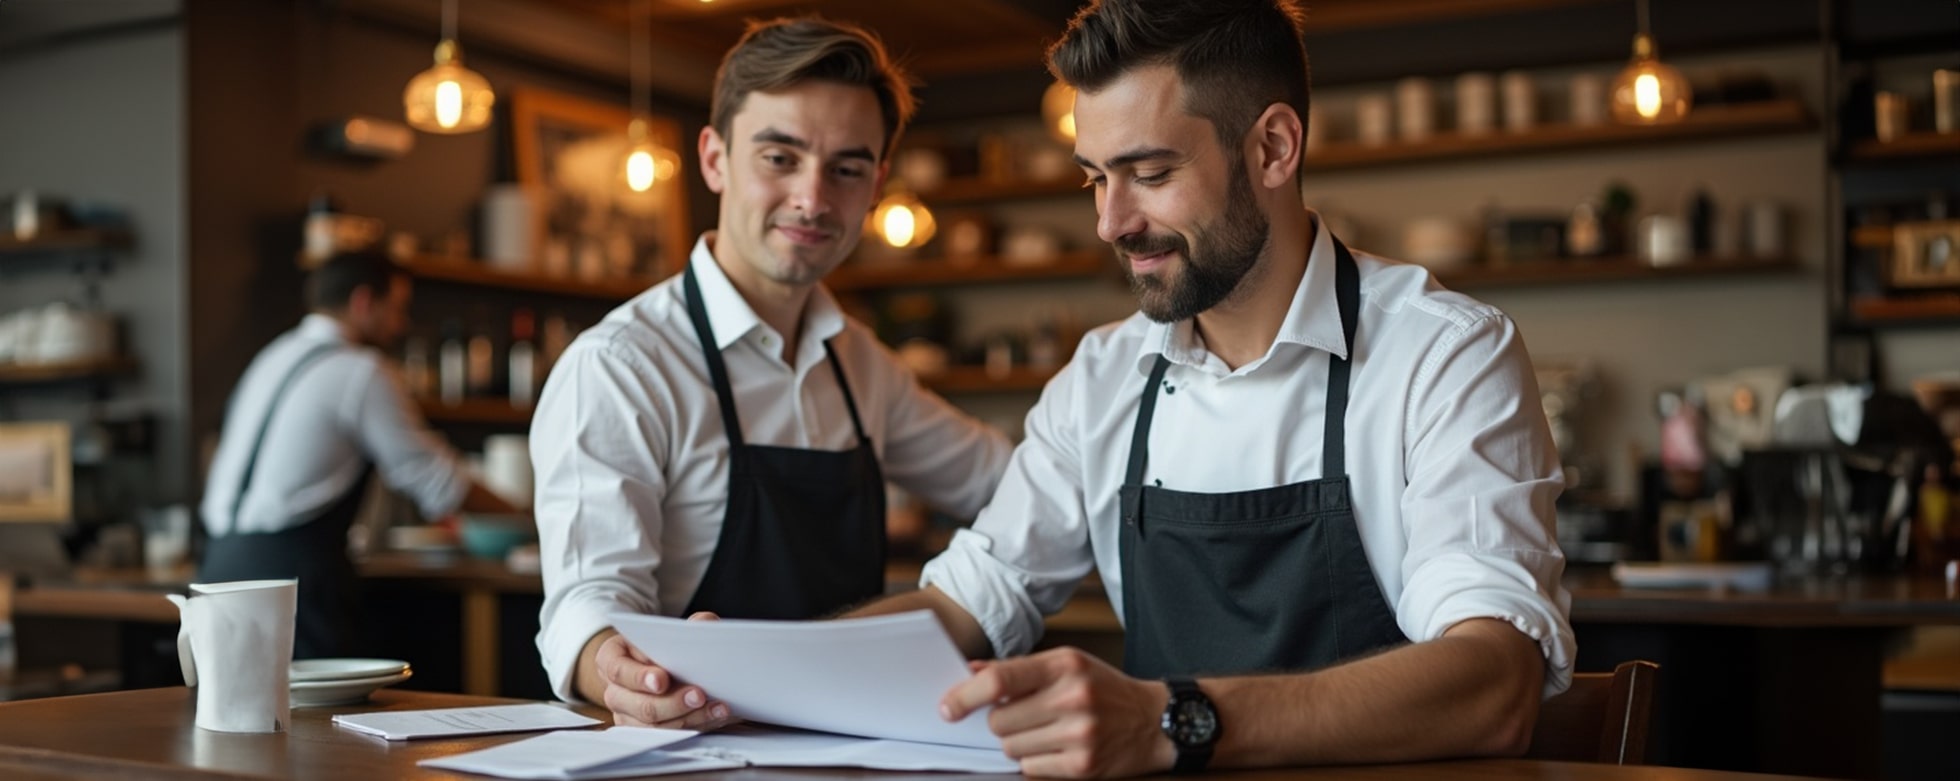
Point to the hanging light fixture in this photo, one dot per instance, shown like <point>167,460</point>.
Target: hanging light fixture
<point>1647,91</point>
<point>647,162</point>
<point>901,220</point>
<point>1058,112</point>
<point>448,98</point>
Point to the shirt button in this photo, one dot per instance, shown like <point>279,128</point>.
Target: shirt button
<point>768,341</point>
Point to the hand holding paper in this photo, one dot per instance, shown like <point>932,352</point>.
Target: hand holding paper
<point>879,677</point>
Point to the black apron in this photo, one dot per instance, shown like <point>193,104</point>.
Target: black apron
<point>804,531</point>
<point>1273,579</point>
<point>315,552</point>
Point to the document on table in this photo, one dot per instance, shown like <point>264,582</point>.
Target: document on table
<point>449,722</point>
<point>622,752</point>
<point>878,677</point>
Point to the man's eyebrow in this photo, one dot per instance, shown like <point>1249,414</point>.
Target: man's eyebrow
<point>1128,158</point>
<point>770,135</point>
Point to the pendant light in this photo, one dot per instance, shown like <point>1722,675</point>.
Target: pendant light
<point>901,220</point>
<point>647,162</point>
<point>1058,112</point>
<point>1647,91</point>
<point>448,98</point>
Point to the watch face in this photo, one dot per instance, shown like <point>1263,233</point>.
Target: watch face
<point>1193,723</point>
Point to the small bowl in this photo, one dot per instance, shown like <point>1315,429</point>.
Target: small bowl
<point>493,536</point>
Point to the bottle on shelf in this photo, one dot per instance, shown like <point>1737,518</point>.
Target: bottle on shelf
<point>415,368</point>
<point>523,359</point>
<point>451,362</point>
<point>481,375</point>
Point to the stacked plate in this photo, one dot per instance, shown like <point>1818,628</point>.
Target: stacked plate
<point>318,682</point>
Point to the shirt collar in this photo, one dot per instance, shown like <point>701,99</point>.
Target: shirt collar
<point>1313,319</point>
<point>324,328</point>
<point>731,317</point>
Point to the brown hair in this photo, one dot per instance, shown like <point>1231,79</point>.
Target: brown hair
<point>783,52</point>
<point>1236,57</point>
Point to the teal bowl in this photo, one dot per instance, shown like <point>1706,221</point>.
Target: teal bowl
<point>493,536</point>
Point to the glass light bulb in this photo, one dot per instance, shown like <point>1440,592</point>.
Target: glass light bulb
<point>1648,91</point>
<point>640,170</point>
<point>449,103</point>
<point>898,226</point>
<point>448,98</point>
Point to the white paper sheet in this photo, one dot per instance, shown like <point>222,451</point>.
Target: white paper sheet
<point>623,752</point>
<point>619,752</point>
<point>448,722</point>
<point>878,677</point>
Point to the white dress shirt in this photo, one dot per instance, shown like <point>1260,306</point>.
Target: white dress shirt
<point>347,409</point>
<point>1449,456</point>
<point>632,460</point>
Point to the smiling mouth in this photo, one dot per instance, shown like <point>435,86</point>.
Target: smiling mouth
<point>804,235</point>
<point>1143,264</point>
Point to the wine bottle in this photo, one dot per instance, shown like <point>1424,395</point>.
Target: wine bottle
<point>523,359</point>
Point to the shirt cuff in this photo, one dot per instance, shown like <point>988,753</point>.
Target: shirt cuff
<point>995,594</point>
<point>563,637</point>
<point>1451,589</point>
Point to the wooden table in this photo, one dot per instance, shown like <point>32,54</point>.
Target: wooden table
<point>148,734</point>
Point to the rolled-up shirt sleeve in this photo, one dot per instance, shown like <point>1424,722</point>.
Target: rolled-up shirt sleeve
<point>411,458</point>
<point>598,450</point>
<point>1029,548</point>
<point>1478,513</point>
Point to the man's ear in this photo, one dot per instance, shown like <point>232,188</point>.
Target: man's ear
<point>360,303</point>
<point>713,152</point>
<point>1277,140</point>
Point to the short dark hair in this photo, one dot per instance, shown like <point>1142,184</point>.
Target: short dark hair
<point>783,52</point>
<point>1236,57</point>
<point>333,282</point>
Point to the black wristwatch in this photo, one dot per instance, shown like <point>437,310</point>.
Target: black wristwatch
<point>1191,722</point>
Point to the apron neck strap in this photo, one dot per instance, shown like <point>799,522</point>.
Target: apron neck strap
<point>697,311</point>
<point>1333,445</point>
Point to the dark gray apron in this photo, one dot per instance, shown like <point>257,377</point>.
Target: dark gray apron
<point>1273,579</point>
<point>804,532</point>
<point>315,552</point>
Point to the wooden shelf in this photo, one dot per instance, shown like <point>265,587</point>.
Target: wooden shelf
<point>1911,146</point>
<point>976,379</point>
<point>20,374</point>
<point>1772,116</point>
<point>1578,271</point>
<point>938,271</point>
<point>65,241</point>
<point>1935,309</point>
<point>490,411</point>
<point>470,272</point>
<point>1747,119</point>
<point>1872,237</point>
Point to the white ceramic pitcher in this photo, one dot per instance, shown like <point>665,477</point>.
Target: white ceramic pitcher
<point>236,647</point>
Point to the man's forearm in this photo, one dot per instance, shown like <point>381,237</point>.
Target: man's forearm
<point>586,681</point>
<point>1472,692</point>
<point>966,632</point>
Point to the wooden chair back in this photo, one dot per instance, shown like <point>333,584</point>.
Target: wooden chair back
<point>1603,717</point>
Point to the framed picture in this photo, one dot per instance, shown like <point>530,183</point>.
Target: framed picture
<point>35,472</point>
<point>571,155</point>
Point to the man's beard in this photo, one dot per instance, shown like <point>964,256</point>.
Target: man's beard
<point>1231,245</point>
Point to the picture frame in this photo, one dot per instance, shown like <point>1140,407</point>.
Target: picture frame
<point>36,473</point>
<point>1926,254</point>
<point>570,155</point>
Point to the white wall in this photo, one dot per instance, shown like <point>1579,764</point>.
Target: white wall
<point>100,117</point>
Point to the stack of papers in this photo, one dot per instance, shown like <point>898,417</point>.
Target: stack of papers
<point>623,752</point>
<point>450,722</point>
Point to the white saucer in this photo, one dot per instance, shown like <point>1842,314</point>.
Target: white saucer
<point>309,670</point>
<point>313,694</point>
